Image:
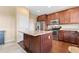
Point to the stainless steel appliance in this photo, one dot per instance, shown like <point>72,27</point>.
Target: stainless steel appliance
<point>55,27</point>
<point>40,25</point>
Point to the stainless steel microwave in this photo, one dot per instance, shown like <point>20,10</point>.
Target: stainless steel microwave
<point>54,22</point>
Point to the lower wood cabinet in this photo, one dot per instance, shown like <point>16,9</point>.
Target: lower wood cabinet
<point>36,44</point>
<point>69,36</point>
<point>61,35</point>
<point>26,41</point>
<point>77,41</point>
<point>46,42</point>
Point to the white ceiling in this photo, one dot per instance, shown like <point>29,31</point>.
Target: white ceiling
<point>39,10</point>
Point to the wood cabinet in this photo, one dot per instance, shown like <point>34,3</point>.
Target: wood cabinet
<point>77,41</point>
<point>69,16</point>
<point>36,44</point>
<point>64,17</point>
<point>73,37</point>
<point>68,36</point>
<point>42,18</point>
<point>74,15</point>
<point>46,42</point>
<point>51,17</point>
<point>61,35</point>
<point>26,42</point>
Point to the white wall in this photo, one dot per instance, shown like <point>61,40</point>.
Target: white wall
<point>8,23</point>
<point>32,22</point>
<point>15,19</point>
<point>22,22</point>
<point>25,22</point>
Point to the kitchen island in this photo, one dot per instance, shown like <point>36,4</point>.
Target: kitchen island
<point>38,41</point>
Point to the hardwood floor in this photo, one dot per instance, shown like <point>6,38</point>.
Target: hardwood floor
<point>60,47</point>
<point>57,46</point>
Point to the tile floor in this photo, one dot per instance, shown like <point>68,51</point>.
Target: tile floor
<point>11,48</point>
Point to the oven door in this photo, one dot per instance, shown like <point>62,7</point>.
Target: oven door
<point>55,34</point>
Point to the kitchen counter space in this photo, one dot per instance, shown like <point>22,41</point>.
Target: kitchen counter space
<point>36,33</point>
<point>70,30</point>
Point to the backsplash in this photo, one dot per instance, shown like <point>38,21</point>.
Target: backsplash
<point>70,27</point>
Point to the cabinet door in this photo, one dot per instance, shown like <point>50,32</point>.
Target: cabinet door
<point>67,16</point>
<point>70,36</point>
<point>61,35</point>
<point>35,44</point>
<point>62,17</point>
<point>51,17</point>
<point>67,36</point>
<point>74,14</point>
<point>46,42</point>
<point>57,15</point>
<point>77,40</point>
<point>42,18</point>
<point>73,37</point>
<point>26,41</point>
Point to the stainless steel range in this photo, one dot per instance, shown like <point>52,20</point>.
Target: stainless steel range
<point>54,27</point>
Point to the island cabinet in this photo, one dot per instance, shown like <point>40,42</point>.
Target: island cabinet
<point>38,44</point>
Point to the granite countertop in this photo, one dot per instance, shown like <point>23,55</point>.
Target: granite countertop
<point>36,33</point>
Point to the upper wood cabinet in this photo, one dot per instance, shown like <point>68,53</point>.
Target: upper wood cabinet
<point>74,15</point>
<point>69,16</point>
<point>42,18</point>
<point>64,17</point>
<point>51,17</point>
